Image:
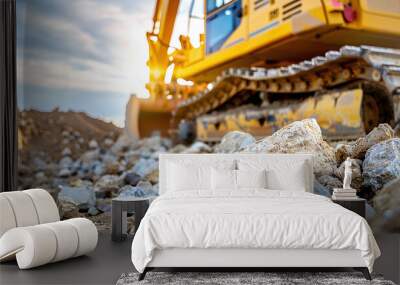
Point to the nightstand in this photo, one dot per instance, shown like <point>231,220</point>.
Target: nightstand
<point>357,205</point>
<point>120,208</point>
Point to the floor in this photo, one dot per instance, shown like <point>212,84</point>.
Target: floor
<point>389,263</point>
<point>111,259</point>
<point>103,266</point>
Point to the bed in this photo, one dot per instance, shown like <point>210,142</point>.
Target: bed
<point>245,211</point>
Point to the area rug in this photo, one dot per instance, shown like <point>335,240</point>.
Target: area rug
<point>243,278</point>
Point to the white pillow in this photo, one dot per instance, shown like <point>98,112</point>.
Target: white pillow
<point>227,179</point>
<point>223,179</point>
<point>182,177</point>
<point>251,178</point>
<point>282,174</point>
<point>294,179</point>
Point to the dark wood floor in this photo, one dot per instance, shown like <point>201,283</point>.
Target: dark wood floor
<point>111,259</point>
<point>103,266</point>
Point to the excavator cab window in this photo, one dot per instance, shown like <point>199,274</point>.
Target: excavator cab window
<point>189,22</point>
<point>223,17</point>
<point>215,4</point>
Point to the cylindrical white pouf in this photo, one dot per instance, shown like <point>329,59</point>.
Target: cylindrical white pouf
<point>33,246</point>
<point>67,240</point>
<point>87,234</point>
<point>40,244</point>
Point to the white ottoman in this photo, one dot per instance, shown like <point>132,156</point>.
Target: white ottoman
<point>31,232</point>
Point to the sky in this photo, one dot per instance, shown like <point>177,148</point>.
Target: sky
<point>82,55</point>
<point>89,55</point>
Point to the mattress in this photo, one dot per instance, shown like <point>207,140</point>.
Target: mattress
<point>250,219</point>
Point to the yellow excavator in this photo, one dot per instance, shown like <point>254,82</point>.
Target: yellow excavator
<point>261,64</point>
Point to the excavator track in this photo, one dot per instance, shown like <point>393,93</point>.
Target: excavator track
<point>360,84</point>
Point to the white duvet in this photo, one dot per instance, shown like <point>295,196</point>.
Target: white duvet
<point>250,219</point>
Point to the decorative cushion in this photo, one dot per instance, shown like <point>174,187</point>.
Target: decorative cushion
<point>251,178</point>
<point>283,174</point>
<point>183,177</point>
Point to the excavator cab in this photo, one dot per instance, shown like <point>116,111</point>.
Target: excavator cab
<point>222,19</point>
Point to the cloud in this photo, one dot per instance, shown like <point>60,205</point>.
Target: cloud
<point>85,45</point>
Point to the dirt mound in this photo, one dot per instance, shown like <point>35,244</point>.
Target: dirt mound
<point>45,136</point>
<point>51,132</point>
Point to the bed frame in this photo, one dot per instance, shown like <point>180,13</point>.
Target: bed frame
<point>246,259</point>
<point>242,259</point>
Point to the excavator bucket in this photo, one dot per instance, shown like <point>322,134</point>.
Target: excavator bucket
<point>144,117</point>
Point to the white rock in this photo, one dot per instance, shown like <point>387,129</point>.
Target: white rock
<point>299,137</point>
<point>90,155</point>
<point>93,144</point>
<point>381,164</point>
<point>198,147</point>
<point>65,162</point>
<point>39,164</point>
<point>82,196</point>
<point>122,143</point>
<point>145,166</point>
<point>380,133</point>
<point>108,142</point>
<point>97,168</point>
<point>40,176</point>
<point>142,189</point>
<point>108,183</point>
<point>66,152</point>
<point>65,172</point>
<point>179,148</point>
<point>234,141</point>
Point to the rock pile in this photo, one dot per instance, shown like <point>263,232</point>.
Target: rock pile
<point>359,148</point>
<point>375,162</point>
<point>86,172</point>
<point>375,157</point>
<point>123,168</point>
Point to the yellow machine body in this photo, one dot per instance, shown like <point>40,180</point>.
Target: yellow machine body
<point>270,34</point>
<point>286,31</point>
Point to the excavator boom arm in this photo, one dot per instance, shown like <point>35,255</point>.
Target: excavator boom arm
<point>159,38</point>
